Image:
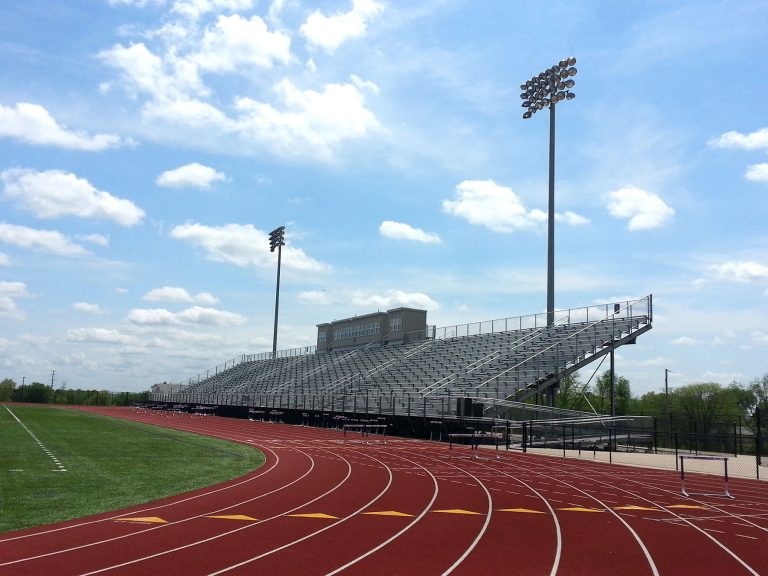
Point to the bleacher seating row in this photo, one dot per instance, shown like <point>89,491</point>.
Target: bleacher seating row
<point>511,364</point>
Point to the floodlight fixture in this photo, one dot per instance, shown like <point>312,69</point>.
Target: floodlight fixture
<point>545,90</point>
<point>276,238</point>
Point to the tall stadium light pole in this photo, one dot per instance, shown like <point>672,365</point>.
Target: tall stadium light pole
<point>544,90</point>
<point>276,240</point>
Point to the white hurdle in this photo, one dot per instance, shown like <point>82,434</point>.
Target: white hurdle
<point>378,431</point>
<point>688,494</point>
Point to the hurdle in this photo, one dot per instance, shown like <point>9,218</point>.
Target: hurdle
<point>366,431</point>
<point>474,443</point>
<point>688,494</point>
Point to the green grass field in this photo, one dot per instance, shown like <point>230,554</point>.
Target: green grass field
<point>110,464</point>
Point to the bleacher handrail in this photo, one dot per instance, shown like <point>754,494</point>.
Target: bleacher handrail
<point>617,310</point>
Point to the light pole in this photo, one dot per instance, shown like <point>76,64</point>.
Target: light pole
<point>666,390</point>
<point>276,240</point>
<point>544,90</point>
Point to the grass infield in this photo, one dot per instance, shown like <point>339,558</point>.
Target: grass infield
<point>109,463</point>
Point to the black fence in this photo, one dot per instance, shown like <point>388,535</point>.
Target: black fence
<point>745,441</point>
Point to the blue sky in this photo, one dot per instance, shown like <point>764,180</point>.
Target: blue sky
<point>147,147</point>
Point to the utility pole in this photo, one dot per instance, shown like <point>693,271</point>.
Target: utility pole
<point>53,372</point>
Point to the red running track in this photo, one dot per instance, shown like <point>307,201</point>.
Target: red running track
<point>320,506</point>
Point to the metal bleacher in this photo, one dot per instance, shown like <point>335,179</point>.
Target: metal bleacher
<point>508,359</point>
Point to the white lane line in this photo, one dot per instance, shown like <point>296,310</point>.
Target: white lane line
<point>425,510</point>
<point>683,519</point>
<point>59,466</point>
<point>482,531</point>
<point>635,535</point>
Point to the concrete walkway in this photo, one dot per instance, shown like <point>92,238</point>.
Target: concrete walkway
<point>744,466</point>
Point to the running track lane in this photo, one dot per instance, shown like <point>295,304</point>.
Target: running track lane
<point>407,508</point>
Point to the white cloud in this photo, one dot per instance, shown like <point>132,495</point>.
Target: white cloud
<point>760,338</point>
<point>144,71</point>
<point>243,245</point>
<point>684,341</point>
<point>195,8</point>
<point>88,308</point>
<point>757,172</point>
<point>372,87</point>
<point>752,141</point>
<point>9,291</point>
<point>99,336</point>
<point>401,231</point>
<point>9,309</point>
<point>330,32</point>
<point>491,205</point>
<point>192,175</point>
<point>190,113</point>
<point>572,219</point>
<point>33,124</point>
<point>316,298</point>
<point>137,3</point>
<point>15,289</point>
<point>197,315</point>
<point>176,294</point>
<point>55,193</point>
<point>645,210</point>
<point>98,239</point>
<point>740,271</point>
<point>394,299</point>
<point>236,41</point>
<point>309,123</point>
<point>289,122</point>
<point>48,241</point>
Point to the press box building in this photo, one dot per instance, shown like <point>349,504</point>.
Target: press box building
<point>394,326</point>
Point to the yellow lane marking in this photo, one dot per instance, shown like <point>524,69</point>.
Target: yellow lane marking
<point>317,515</point>
<point>388,513</point>
<point>579,509</point>
<point>522,510</point>
<point>234,517</point>
<point>144,519</point>
<point>458,511</point>
<point>633,507</point>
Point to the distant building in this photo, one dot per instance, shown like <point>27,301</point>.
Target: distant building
<point>391,327</point>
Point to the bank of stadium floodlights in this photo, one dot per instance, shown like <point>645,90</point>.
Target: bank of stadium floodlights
<point>546,90</point>
<point>276,240</point>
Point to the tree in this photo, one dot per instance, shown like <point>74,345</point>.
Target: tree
<point>653,403</point>
<point>759,387</point>
<point>7,387</point>
<point>602,394</point>
<point>571,394</point>
<point>37,393</point>
<point>705,403</point>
